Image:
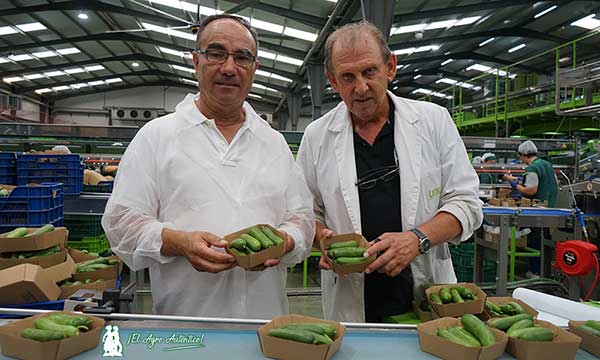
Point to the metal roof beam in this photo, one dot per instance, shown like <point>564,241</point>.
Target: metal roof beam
<point>303,18</point>
<point>468,56</point>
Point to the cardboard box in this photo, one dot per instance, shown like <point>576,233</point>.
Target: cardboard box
<point>39,242</point>
<point>504,193</point>
<point>564,346</point>
<point>346,269</point>
<point>14,345</point>
<point>67,291</point>
<point>422,315</point>
<point>486,315</point>
<point>250,261</point>
<point>109,273</point>
<point>435,345</point>
<point>456,310</point>
<point>277,348</point>
<point>494,202</point>
<point>519,243</point>
<point>80,256</point>
<point>43,261</point>
<point>589,342</point>
<point>27,283</point>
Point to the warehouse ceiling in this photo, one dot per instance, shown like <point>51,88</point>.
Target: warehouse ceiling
<point>56,49</point>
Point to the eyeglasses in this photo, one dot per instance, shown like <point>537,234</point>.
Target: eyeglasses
<point>218,56</point>
<point>372,177</point>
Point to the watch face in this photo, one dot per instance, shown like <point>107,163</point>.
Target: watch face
<point>425,245</point>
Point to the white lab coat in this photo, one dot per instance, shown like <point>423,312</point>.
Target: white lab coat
<point>180,173</point>
<point>435,175</point>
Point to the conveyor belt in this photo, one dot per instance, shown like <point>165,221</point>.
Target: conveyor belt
<point>489,210</point>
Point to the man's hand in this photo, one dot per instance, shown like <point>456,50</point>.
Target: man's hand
<point>399,249</point>
<point>514,184</point>
<point>197,248</point>
<point>324,233</point>
<point>508,177</point>
<point>289,246</point>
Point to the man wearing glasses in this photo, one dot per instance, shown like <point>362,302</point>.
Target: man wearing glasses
<point>210,168</point>
<point>392,169</point>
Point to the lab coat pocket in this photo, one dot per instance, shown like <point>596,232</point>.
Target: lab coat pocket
<point>431,189</point>
<point>442,252</point>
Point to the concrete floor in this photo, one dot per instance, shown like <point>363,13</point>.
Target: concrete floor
<point>309,305</point>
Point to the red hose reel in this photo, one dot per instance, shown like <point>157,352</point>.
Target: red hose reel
<point>576,257</point>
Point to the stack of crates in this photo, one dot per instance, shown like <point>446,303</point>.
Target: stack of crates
<point>86,232</point>
<point>32,206</point>
<point>463,259</point>
<point>8,168</point>
<point>37,168</point>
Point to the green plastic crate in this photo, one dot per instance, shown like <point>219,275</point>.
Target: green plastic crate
<point>465,273</point>
<point>92,244</point>
<point>82,226</point>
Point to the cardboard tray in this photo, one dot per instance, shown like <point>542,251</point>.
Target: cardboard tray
<point>564,346</point>
<point>435,345</point>
<point>111,272</point>
<point>14,345</point>
<point>455,310</point>
<point>27,283</point>
<point>67,291</point>
<point>502,300</point>
<point>346,269</point>
<point>589,342</point>
<point>277,348</point>
<point>424,316</point>
<point>250,261</point>
<point>80,256</point>
<point>32,243</point>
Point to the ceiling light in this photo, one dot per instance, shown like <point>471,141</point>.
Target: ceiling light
<point>170,32</point>
<point>266,55</point>
<point>289,60</point>
<point>487,41</point>
<point>183,68</point>
<point>20,57</point>
<point>189,81</point>
<point>516,48</point>
<point>590,129</point>
<point>446,62</point>
<point>417,77</point>
<point>264,25</point>
<point>68,51</point>
<point>12,79</point>
<point>135,64</point>
<point>484,68</point>
<point>35,26</point>
<point>3,60</point>
<point>6,30</point>
<point>564,59</point>
<point>174,52</point>
<point>446,24</point>
<point>411,50</point>
<point>113,80</point>
<point>540,14</point>
<point>262,87</point>
<point>434,25</point>
<point>44,90</point>
<point>44,54</point>
<point>94,68</point>
<point>61,88</point>
<point>33,76</point>
<point>255,96</point>
<point>467,21</point>
<point>96,83</point>
<point>588,22</point>
<point>74,70</point>
<point>184,5</point>
<point>54,73</point>
<point>303,35</point>
<point>82,16</point>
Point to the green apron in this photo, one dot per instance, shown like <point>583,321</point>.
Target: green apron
<point>547,188</point>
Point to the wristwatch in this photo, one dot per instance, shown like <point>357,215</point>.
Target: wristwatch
<point>424,242</point>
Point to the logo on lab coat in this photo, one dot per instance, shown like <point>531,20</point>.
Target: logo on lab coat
<point>111,343</point>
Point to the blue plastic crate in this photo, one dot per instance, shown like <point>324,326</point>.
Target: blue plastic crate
<point>31,206</point>
<point>8,168</point>
<point>66,169</point>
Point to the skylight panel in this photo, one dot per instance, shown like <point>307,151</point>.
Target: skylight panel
<point>94,68</point>
<point>183,68</point>
<point>68,51</point>
<point>303,35</point>
<point>588,22</point>
<point>542,13</point>
<point>21,57</point>
<point>35,26</point>
<point>33,76</point>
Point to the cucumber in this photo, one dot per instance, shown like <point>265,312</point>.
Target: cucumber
<point>463,334</point>
<point>3,192</point>
<point>306,337</point>
<point>478,328</point>
<point>347,252</point>
<point>253,244</point>
<point>350,260</point>
<point>81,322</point>
<point>92,262</point>
<point>593,324</point>
<point>517,308</point>
<point>257,234</point>
<point>17,233</point>
<point>507,309</point>
<point>534,334</point>
<point>239,244</point>
<point>456,296</point>
<point>46,324</point>
<point>319,328</point>
<point>445,296</point>
<point>424,306</point>
<point>590,330</point>
<point>92,267</point>
<point>272,236</point>
<point>464,292</point>
<point>505,323</point>
<point>493,309</point>
<point>44,229</point>
<point>446,334</point>
<point>521,324</point>
<point>337,245</point>
<point>42,335</point>
<point>237,252</point>
<point>435,298</point>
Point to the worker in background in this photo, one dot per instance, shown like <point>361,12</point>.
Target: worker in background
<point>476,160</point>
<point>487,177</point>
<point>392,169</point>
<point>63,149</point>
<point>211,168</point>
<point>539,182</point>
